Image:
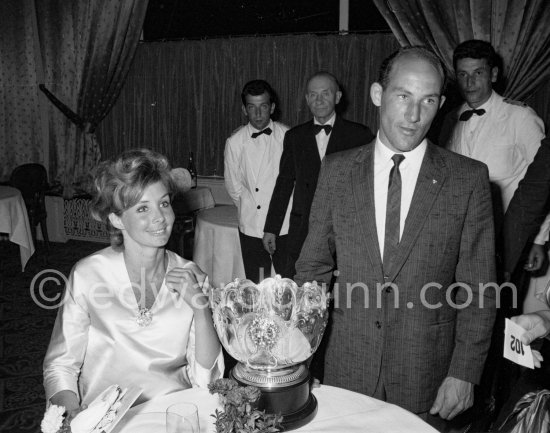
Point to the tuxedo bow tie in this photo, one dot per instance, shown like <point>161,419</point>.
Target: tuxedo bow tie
<point>266,131</point>
<point>317,129</point>
<point>466,115</point>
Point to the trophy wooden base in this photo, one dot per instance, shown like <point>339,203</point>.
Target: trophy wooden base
<point>285,391</point>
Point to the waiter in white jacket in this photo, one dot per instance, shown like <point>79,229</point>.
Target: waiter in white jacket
<point>252,155</point>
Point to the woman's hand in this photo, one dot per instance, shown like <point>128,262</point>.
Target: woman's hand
<point>69,401</point>
<point>69,415</point>
<point>188,282</point>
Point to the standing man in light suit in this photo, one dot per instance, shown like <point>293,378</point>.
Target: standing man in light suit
<point>252,156</point>
<point>405,220</point>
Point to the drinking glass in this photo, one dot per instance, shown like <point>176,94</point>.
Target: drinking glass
<point>182,418</point>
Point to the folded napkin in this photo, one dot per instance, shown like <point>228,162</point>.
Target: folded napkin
<point>100,413</point>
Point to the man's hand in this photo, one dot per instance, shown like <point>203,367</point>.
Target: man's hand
<point>537,255</point>
<point>453,397</point>
<point>269,243</point>
<point>536,325</point>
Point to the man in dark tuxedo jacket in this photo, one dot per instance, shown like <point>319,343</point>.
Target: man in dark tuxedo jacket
<point>303,150</point>
<point>528,208</point>
<point>522,221</point>
<point>411,227</point>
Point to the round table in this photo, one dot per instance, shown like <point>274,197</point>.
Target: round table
<point>15,221</point>
<point>217,249</point>
<point>339,411</point>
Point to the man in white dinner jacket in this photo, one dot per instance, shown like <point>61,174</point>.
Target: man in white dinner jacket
<point>502,133</point>
<point>252,156</point>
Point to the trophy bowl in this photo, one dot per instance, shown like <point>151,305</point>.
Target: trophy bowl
<point>272,328</point>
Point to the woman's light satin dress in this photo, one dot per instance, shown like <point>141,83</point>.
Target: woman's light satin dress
<point>96,341</point>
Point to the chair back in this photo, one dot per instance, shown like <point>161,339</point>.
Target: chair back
<point>30,179</point>
<point>185,207</point>
<point>193,201</point>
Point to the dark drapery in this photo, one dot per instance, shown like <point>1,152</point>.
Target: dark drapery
<point>87,47</point>
<point>184,96</point>
<point>518,29</point>
<point>20,125</point>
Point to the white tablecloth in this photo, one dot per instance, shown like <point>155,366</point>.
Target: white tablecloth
<point>217,249</point>
<point>15,221</point>
<point>339,411</point>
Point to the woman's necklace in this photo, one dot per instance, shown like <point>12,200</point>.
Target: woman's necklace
<point>142,288</point>
<point>144,316</point>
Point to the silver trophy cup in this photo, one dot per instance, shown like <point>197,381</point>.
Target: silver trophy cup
<point>272,328</point>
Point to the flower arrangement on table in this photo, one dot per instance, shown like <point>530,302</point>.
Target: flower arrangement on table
<point>54,420</point>
<point>239,414</point>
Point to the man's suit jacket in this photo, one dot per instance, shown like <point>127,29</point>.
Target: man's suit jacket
<point>298,172</point>
<point>528,207</point>
<point>448,237</point>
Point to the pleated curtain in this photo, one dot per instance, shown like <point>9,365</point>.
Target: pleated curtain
<point>87,48</point>
<point>184,96</point>
<point>518,29</point>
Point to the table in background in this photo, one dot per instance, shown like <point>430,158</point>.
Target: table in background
<point>339,411</point>
<point>15,221</point>
<point>217,249</point>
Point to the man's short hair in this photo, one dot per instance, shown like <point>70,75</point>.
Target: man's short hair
<point>324,74</point>
<point>416,51</point>
<point>475,49</point>
<point>257,88</point>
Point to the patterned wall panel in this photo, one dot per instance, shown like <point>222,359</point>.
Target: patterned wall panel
<point>79,224</point>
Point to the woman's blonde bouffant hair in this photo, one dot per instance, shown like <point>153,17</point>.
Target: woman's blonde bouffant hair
<point>119,184</point>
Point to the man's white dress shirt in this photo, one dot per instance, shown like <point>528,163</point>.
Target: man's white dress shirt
<point>506,138</point>
<point>322,137</point>
<point>409,169</point>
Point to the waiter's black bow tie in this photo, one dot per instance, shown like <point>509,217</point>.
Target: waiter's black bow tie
<point>266,131</point>
<point>466,115</point>
<point>317,129</point>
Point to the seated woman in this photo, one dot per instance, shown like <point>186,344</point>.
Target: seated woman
<point>134,313</point>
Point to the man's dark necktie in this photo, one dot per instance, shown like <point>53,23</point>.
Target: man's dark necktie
<point>266,131</point>
<point>317,129</point>
<point>467,115</point>
<point>393,211</point>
